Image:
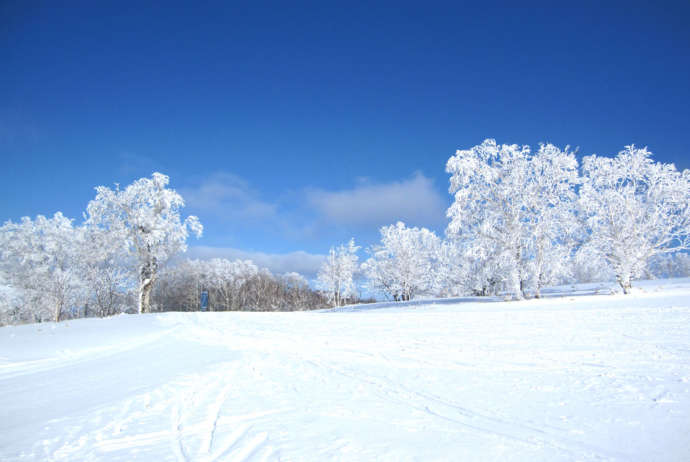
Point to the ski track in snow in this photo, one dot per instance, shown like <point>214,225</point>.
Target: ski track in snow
<point>585,377</point>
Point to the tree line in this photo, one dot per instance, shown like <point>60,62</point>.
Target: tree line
<point>521,220</point>
<point>223,285</point>
<point>118,259</point>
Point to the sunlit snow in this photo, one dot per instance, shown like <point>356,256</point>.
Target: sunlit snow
<point>584,375</point>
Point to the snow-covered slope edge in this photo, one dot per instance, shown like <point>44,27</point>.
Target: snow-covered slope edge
<point>641,288</point>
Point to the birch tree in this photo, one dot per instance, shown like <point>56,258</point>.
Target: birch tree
<point>404,264</point>
<point>146,217</point>
<point>513,213</point>
<point>634,209</point>
<point>550,201</point>
<point>488,210</point>
<point>335,277</point>
<point>41,258</point>
<point>106,271</point>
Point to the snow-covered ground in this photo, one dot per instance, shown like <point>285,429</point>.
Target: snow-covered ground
<point>580,377</point>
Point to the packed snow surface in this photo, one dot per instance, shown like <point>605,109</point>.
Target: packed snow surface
<point>578,375</point>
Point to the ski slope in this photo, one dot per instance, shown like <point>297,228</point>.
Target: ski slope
<point>574,376</point>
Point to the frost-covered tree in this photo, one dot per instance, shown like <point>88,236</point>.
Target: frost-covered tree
<point>106,271</point>
<point>231,285</point>
<point>511,213</point>
<point>489,205</point>
<point>335,277</point>
<point>634,209</point>
<point>550,201</point>
<point>296,290</point>
<point>146,216</point>
<point>450,270</point>
<point>179,287</point>
<point>405,263</point>
<point>41,259</point>
<point>675,265</point>
<point>225,280</point>
<point>587,265</point>
<point>11,302</point>
<point>480,269</point>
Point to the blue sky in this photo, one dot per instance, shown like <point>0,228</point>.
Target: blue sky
<point>290,127</point>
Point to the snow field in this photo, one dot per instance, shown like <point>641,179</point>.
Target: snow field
<point>586,377</point>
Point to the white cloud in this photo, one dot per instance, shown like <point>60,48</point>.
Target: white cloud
<point>228,196</point>
<point>301,262</point>
<point>414,201</point>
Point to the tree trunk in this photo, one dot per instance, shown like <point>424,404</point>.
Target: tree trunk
<point>516,283</point>
<point>147,276</point>
<point>145,296</point>
<point>538,286</point>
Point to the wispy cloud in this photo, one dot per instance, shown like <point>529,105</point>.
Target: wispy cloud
<point>301,262</point>
<point>233,211</point>
<point>414,201</point>
<point>228,196</point>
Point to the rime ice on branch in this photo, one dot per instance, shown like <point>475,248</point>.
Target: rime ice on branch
<point>336,273</point>
<point>405,264</point>
<point>146,217</point>
<point>634,209</point>
<point>513,214</point>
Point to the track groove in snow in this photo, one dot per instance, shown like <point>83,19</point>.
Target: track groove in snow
<point>213,419</point>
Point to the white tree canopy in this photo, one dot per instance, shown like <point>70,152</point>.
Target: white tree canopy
<point>42,258</point>
<point>336,274</point>
<point>634,209</point>
<point>145,217</point>
<point>405,263</point>
<point>512,212</point>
